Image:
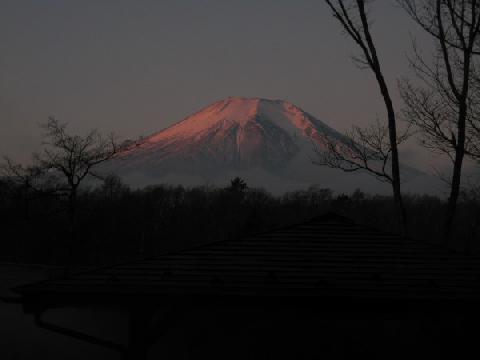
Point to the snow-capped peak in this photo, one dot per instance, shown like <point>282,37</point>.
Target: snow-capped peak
<point>256,137</point>
<point>238,112</point>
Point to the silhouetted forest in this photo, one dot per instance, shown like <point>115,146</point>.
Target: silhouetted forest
<point>114,223</point>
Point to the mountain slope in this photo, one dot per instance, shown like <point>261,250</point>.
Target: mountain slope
<point>235,132</point>
<point>268,142</point>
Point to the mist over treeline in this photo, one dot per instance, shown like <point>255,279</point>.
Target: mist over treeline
<point>115,223</point>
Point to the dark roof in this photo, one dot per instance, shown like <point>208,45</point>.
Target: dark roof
<point>327,257</point>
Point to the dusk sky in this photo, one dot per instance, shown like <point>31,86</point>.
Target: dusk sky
<point>135,67</point>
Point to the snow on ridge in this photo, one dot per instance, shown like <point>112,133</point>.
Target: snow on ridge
<point>230,110</point>
<point>244,124</point>
<point>238,111</point>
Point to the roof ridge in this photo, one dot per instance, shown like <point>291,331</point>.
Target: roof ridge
<point>331,215</point>
<point>325,216</point>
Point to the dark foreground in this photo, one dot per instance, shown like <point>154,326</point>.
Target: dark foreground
<point>241,334</point>
<point>324,288</point>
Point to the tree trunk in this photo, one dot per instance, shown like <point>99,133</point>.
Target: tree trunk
<point>455,187</point>
<point>397,194</point>
<point>72,202</point>
<point>361,35</point>
<point>392,132</point>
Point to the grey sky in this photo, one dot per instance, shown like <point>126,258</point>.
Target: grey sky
<point>135,67</point>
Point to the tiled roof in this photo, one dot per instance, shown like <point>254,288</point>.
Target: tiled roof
<point>327,257</point>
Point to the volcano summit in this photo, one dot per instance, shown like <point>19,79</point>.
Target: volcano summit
<point>269,143</point>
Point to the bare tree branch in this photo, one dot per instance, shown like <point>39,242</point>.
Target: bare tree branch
<point>366,149</point>
<point>444,109</point>
<point>353,16</point>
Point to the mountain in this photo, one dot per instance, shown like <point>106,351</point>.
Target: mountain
<point>268,142</point>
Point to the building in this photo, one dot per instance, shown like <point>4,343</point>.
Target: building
<point>324,288</point>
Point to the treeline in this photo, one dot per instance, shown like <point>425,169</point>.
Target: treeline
<point>114,223</point>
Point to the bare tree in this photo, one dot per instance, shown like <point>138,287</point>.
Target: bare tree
<point>353,17</point>
<point>445,108</point>
<point>63,164</point>
<point>73,157</point>
<point>366,149</point>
